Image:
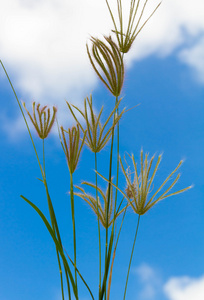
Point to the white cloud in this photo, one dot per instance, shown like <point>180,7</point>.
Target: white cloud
<point>175,288</point>
<point>185,288</point>
<point>194,57</point>
<point>150,281</point>
<point>42,43</point>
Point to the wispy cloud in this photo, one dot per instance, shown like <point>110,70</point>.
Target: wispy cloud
<point>194,57</point>
<point>150,280</point>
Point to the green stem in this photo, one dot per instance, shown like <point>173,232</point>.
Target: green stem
<point>114,253</point>
<point>41,169</point>
<point>23,116</point>
<point>108,204</point>
<point>108,252</point>
<point>117,174</point>
<point>138,221</point>
<point>56,231</point>
<point>53,224</point>
<point>73,224</point>
<point>42,172</point>
<point>99,233</point>
<point>57,243</point>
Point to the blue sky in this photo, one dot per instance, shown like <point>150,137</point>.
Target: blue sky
<point>165,75</point>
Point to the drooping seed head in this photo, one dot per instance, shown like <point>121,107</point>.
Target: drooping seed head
<point>107,62</point>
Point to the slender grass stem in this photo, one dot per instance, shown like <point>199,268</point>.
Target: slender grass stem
<point>99,231</point>
<point>55,240</point>
<point>138,221</point>
<point>114,253</point>
<point>53,224</point>
<point>56,231</point>
<point>107,260</point>
<point>74,230</point>
<point>80,276</point>
<point>118,160</point>
<point>108,204</point>
<point>33,144</point>
<point>19,104</point>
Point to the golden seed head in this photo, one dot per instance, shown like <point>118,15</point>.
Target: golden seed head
<point>133,27</point>
<point>100,205</point>
<point>142,186</point>
<point>43,122</point>
<point>107,61</point>
<point>72,146</point>
<point>98,134</point>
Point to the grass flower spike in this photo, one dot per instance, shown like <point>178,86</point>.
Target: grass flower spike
<point>108,64</point>
<point>98,208</point>
<point>141,186</point>
<point>133,28</point>
<point>96,137</point>
<point>44,122</point>
<point>138,189</point>
<point>71,146</point>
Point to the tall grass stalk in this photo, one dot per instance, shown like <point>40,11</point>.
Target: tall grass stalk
<point>131,256</point>
<point>99,230</point>
<point>52,221</point>
<point>106,57</point>
<point>74,229</point>
<point>109,189</point>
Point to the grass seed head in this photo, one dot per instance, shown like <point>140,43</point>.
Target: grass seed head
<point>43,122</point>
<point>100,205</point>
<point>140,189</point>
<point>98,134</point>
<point>107,61</point>
<point>126,37</point>
<point>72,145</point>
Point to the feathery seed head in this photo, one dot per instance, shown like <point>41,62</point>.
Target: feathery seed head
<point>100,209</point>
<point>141,187</point>
<point>107,62</point>
<point>43,122</point>
<point>97,134</point>
<point>71,146</point>
<point>126,37</point>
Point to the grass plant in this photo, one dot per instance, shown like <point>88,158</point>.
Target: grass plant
<point>106,57</point>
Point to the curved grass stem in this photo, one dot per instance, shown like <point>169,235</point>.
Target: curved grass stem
<point>41,169</point>
<point>135,238</point>
<point>99,231</point>
<point>53,226</point>
<point>19,104</point>
<point>74,230</point>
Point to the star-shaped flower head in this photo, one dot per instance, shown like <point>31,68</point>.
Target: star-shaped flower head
<point>141,186</point>
<point>139,191</point>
